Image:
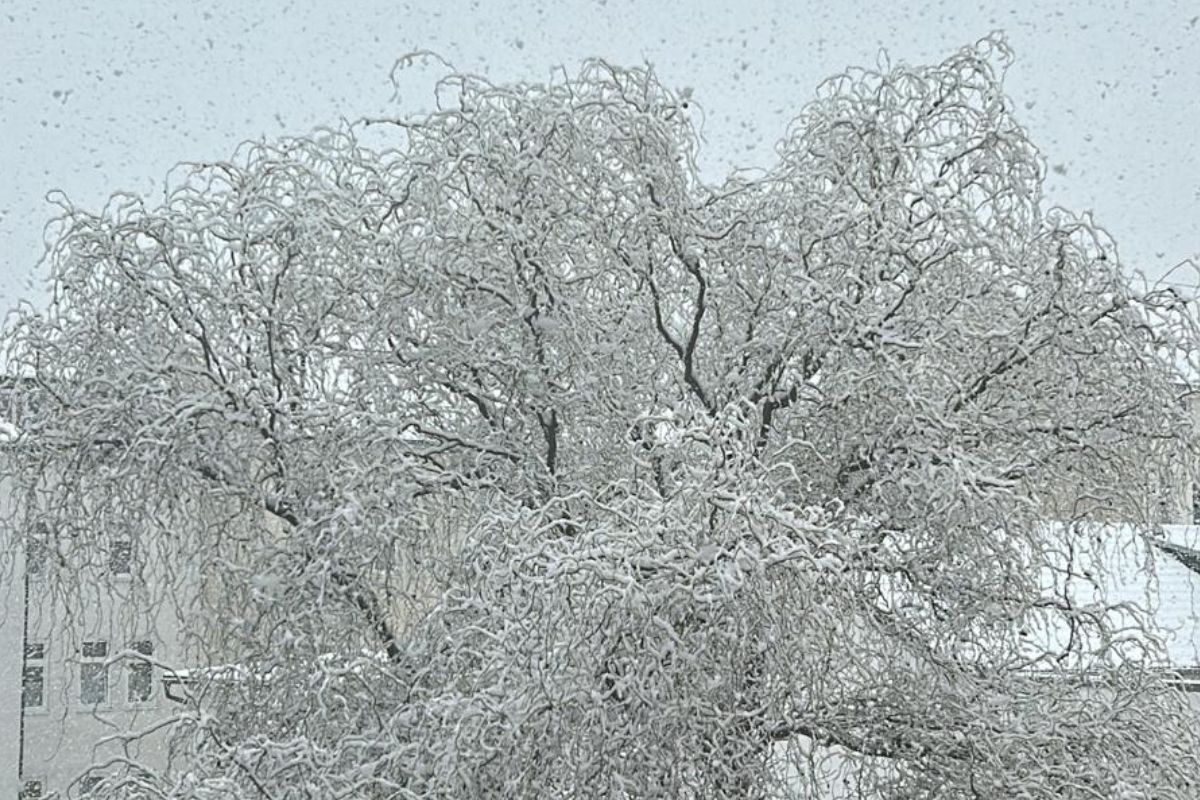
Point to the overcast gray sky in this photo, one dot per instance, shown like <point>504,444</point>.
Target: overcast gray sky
<point>109,95</point>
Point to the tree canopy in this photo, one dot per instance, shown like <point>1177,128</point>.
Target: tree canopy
<point>520,460</point>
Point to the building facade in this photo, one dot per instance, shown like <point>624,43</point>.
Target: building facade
<point>81,667</point>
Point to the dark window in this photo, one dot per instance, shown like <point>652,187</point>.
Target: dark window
<point>30,790</point>
<point>33,676</point>
<point>141,673</point>
<point>93,674</point>
<point>120,557</point>
<point>89,784</point>
<point>35,553</point>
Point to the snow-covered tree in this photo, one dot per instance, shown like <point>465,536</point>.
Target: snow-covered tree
<point>519,460</point>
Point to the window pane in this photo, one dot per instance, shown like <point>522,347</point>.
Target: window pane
<point>35,556</point>
<point>95,649</point>
<point>33,687</point>
<point>35,651</point>
<point>141,683</point>
<point>89,784</point>
<point>121,557</point>
<point>93,684</point>
<point>31,790</point>
<point>141,674</point>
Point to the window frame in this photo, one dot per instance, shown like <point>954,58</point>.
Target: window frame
<point>88,784</point>
<point>41,662</point>
<point>37,553</point>
<point>23,787</point>
<point>87,663</point>
<point>123,544</point>
<point>140,663</point>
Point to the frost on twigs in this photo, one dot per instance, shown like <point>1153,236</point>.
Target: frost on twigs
<point>518,460</point>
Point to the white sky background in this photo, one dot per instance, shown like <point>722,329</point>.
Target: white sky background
<point>108,95</point>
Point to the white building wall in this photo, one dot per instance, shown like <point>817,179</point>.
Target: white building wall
<point>11,608</point>
<point>67,737</point>
<point>60,741</point>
